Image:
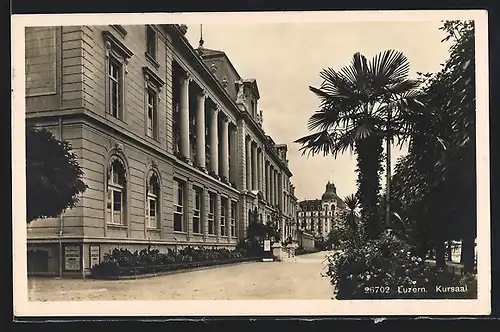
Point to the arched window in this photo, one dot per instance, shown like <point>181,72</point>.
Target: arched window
<point>116,193</point>
<point>152,201</point>
<point>332,207</point>
<point>326,207</point>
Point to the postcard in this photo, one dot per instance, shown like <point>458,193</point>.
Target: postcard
<point>249,164</point>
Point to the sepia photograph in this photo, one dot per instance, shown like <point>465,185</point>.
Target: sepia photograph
<point>331,163</point>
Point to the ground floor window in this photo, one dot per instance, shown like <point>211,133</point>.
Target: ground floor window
<point>115,193</point>
<point>179,188</point>
<point>198,195</point>
<point>211,214</point>
<point>151,213</point>
<point>233,218</point>
<point>223,213</point>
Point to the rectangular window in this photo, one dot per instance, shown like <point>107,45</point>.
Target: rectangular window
<point>151,113</point>
<point>151,42</point>
<point>211,213</point>
<point>178,205</point>
<point>115,87</point>
<point>151,215</point>
<point>233,219</point>
<point>114,205</point>
<point>223,209</point>
<point>198,195</point>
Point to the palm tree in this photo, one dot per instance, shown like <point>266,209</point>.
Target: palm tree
<point>352,202</point>
<point>361,105</point>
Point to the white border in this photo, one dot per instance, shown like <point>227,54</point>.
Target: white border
<point>22,307</point>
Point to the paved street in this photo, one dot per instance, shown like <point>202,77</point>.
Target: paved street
<point>296,279</point>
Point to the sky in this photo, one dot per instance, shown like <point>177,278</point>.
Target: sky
<point>286,58</point>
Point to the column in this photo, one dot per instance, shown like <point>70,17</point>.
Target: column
<point>266,180</point>
<point>276,192</point>
<point>214,140</point>
<point>254,167</point>
<point>184,116</point>
<point>259,160</point>
<point>249,163</point>
<point>233,153</point>
<point>264,172</point>
<point>200,130</point>
<point>225,148</point>
<point>271,191</point>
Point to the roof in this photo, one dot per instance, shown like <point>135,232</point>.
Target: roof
<point>330,192</point>
<point>253,83</point>
<point>207,53</point>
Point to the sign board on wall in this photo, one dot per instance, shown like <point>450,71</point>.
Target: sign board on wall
<point>267,245</point>
<point>95,255</point>
<point>72,258</point>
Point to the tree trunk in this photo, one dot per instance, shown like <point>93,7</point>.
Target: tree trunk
<point>448,250</point>
<point>388,182</point>
<point>440,253</point>
<point>369,161</point>
<point>388,170</point>
<point>468,251</point>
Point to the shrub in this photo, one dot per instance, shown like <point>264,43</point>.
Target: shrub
<point>385,268</point>
<point>302,251</point>
<point>106,269</point>
<point>151,260</point>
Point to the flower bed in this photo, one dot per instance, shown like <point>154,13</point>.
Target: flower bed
<point>123,263</point>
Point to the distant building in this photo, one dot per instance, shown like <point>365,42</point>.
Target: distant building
<point>169,137</point>
<point>317,216</point>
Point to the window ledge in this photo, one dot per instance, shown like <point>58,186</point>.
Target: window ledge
<point>154,140</point>
<point>114,119</point>
<point>120,29</point>
<point>180,232</point>
<point>117,225</point>
<point>153,229</point>
<point>152,60</point>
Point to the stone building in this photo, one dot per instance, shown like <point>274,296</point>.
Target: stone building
<point>169,137</point>
<point>317,216</point>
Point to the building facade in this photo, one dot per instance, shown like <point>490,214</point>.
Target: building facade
<point>169,137</point>
<point>318,216</point>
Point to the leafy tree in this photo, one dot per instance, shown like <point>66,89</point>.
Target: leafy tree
<point>53,176</point>
<point>258,231</point>
<point>434,186</point>
<point>361,105</point>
